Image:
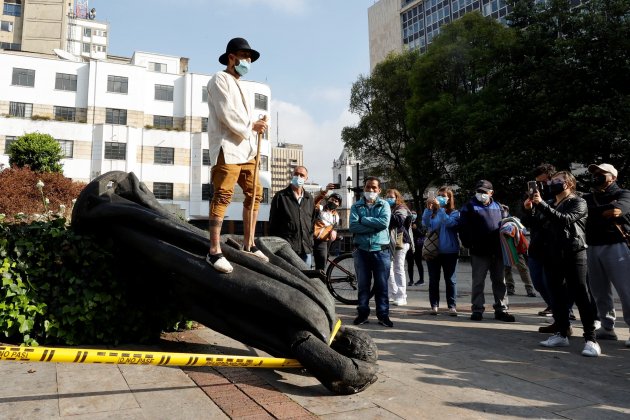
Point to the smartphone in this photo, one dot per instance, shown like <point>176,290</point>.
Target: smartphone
<point>532,188</point>
<point>431,195</point>
<point>336,186</point>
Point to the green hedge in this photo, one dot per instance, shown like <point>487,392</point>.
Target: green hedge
<point>62,288</point>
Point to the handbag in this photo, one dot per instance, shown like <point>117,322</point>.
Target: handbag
<point>431,246</point>
<point>399,241</point>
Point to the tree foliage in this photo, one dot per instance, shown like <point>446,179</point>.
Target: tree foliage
<point>40,152</point>
<point>490,101</point>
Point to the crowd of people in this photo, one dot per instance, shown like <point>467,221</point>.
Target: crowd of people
<point>578,248</point>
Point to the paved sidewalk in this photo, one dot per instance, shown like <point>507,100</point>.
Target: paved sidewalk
<point>429,366</point>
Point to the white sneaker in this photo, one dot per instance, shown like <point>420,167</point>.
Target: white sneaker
<point>434,310</point>
<point>555,340</point>
<point>400,302</point>
<point>452,311</point>
<point>219,263</point>
<point>598,324</point>
<point>591,349</point>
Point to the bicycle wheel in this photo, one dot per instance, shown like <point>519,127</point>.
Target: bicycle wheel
<point>342,281</point>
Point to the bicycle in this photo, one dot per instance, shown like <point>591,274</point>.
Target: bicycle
<point>341,279</point>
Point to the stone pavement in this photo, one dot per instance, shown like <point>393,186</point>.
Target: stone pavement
<point>429,366</point>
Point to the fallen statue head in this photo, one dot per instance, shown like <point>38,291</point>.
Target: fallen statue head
<point>272,306</point>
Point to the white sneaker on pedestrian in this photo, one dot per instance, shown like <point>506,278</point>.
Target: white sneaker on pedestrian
<point>452,311</point>
<point>400,302</point>
<point>591,349</point>
<point>555,340</point>
<point>434,310</point>
<point>598,324</point>
<point>253,251</point>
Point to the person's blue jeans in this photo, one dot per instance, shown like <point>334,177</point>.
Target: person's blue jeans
<point>448,264</point>
<point>539,279</point>
<point>308,259</point>
<point>370,265</point>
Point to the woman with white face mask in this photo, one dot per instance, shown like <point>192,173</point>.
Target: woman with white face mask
<point>564,221</point>
<point>400,238</point>
<point>442,216</point>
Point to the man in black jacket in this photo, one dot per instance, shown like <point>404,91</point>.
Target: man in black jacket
<point>608,254</point>
<point>292,215</point>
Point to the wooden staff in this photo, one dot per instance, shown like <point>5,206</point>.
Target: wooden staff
<point>252,221</point>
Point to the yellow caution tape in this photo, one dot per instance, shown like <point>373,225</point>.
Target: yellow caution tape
<point>134,357</point>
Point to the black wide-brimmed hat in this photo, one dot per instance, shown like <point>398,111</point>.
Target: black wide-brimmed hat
<point>237,44</point>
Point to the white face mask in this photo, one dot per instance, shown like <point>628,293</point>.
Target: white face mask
<point>370,195</point>
<point>482,197</point>
<point>297,181</point>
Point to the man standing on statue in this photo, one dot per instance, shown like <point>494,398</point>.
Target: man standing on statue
<point>232,149</point>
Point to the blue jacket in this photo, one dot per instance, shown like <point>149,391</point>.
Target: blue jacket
<point>369,224</point>
<point>446,225</point>
<point>479,227</point>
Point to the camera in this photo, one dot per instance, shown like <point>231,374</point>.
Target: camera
<point>336,186</point>
<point>532,188</point>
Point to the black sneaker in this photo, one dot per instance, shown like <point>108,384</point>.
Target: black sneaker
<point>510,292</point>
<point>504,316</point>
<point>385,321</point>
<point>476,316</point>
<point>418,283</point>
<point>361,319</point>
<point>531,293</point>
<point>546,312</point>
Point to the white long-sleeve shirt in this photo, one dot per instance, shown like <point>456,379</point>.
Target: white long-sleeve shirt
<point>229,120</point>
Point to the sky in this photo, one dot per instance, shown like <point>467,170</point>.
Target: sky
<point>311,54</point>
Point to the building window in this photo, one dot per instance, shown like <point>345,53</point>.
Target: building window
<point>98,48</point>
<point>7,143</point>
<point>117,84</point>
<point>10,46</point>
<point>204,124</point>
<point>164,155</point>
<point>23,77</point>
<point>115,116</point>
<point>86,48</point>
<point>158,67</point>
<point>66,82</point>
<point>6,26</point>
<point>20,109</point>
<point>12,8</point>
<point>87,32</point>
<point>163,190</point>
<point>64,113</point>
<point>115,151</point>
<point>163,93</point>
<point>260,101</point>
<point>67,148</point>
<point>265,195</point>
<point>204,94</point>
<point>206,192</point>
<point>205,157</point>
<point>162,121</point>
<point>264,163</point>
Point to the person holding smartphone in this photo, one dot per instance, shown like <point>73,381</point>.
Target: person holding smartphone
<point>326,221</point>
<point>563,222</point>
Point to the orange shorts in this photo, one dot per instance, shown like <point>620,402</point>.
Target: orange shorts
<point>224,177</point>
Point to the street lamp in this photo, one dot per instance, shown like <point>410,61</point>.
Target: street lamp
<point>356,190</point>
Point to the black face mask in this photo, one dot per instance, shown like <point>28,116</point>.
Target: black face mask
<point>331,206</point>
<point>598,180</point>
<point>556,188</point>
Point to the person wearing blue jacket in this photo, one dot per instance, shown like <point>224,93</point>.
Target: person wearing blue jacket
<point>369,222</point>
<point>479,223</point>
<point>441,215</point>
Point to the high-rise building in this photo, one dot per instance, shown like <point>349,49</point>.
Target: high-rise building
<point>53,27</point>
<point>284,158</point>
<point>400,25</point>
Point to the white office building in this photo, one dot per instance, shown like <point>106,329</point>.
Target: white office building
<point>146,115</point>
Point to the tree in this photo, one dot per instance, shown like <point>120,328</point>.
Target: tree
<point>457,110</point>
<point>40,152</point>
<point>381,138</point>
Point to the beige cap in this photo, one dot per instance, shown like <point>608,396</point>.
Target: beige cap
<point>604,167</point>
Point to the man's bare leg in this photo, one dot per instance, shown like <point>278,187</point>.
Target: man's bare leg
<point>249,226</point>
<point>214,257</point>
